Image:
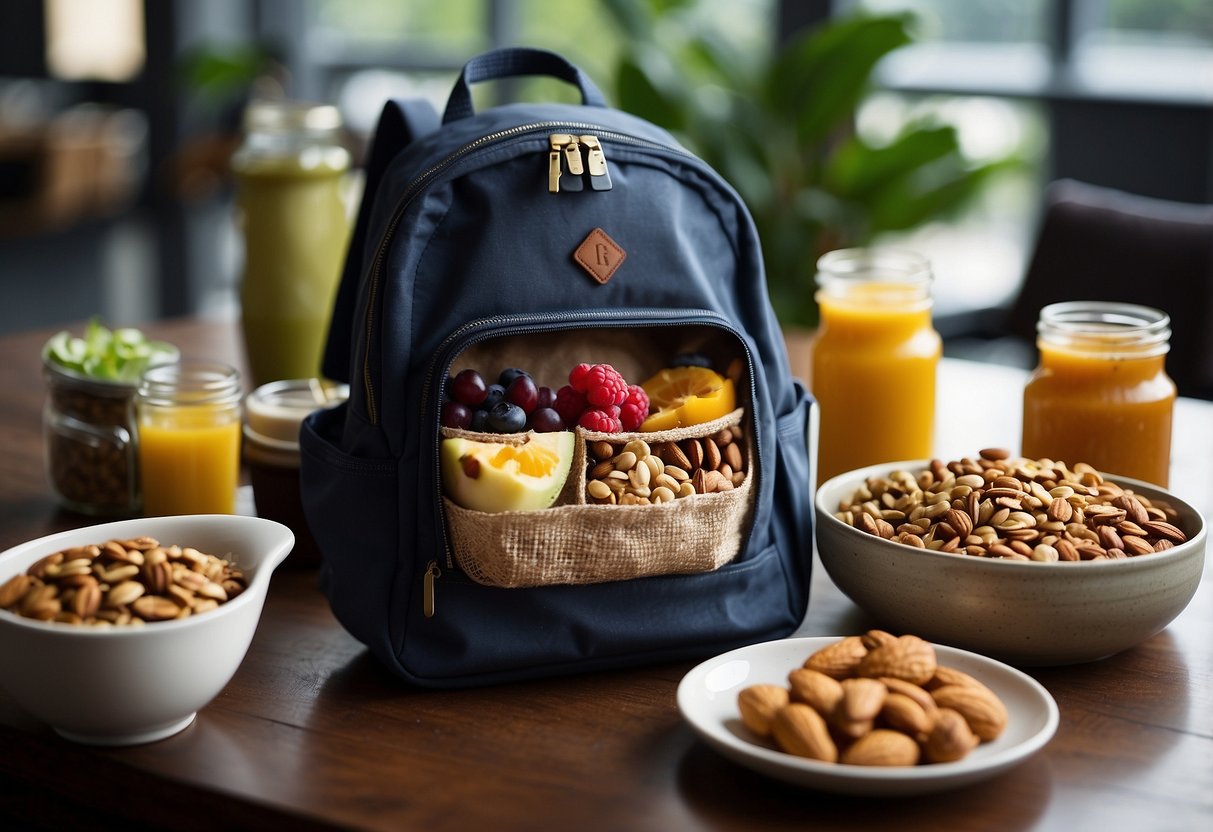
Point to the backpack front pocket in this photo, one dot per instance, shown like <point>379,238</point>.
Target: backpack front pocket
<point>640,503</point>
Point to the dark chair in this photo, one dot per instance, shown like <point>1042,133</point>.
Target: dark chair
<point>1097,243</point>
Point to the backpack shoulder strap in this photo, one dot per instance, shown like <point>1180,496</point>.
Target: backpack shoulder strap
<point>403,121</point>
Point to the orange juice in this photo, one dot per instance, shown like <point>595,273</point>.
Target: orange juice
<point>189,440</point>
<point>874,360</point>
<point>190,464</point>
<point>1101,394</point>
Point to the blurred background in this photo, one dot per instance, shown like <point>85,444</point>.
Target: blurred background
<point>935,124</point>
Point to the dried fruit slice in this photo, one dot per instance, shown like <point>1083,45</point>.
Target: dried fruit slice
<point>683,396</point>
<point>495,476</point>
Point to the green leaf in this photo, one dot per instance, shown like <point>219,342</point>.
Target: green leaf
<point>931,193</point>
<point>638,92</point>
<point>822,75</point>
<point>858,169</point>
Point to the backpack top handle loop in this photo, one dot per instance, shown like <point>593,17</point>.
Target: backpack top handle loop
<point>515,61</point>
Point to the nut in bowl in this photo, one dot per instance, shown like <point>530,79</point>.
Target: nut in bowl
<point>99,677</point>
<point>1025,605</point>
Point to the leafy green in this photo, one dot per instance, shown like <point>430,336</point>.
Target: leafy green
<point>110,355</point>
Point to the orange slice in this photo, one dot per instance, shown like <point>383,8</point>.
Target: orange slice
<point>687,396</point>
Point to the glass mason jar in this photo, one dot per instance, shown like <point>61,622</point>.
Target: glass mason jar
<point>274,414</point>
<point>189,438</point>
<point>874,359</point>
<point>291,172</point>
<point>1101,393</point>
<point>91,446</point>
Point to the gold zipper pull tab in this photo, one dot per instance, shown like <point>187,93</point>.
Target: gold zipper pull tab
<point>600,178</point>
<point>572,155</point>
<point>432,573</point>
<point>556,142</point>
<point>572,160</point>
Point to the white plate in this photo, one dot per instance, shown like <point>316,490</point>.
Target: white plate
<point>707,697</point>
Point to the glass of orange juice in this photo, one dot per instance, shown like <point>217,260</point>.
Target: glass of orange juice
<point>874,358</point>
<point>189,438</point>
<point>1101,393</point>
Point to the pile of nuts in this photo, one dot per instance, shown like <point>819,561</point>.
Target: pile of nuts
<point>122,583</point>
<point>997,506</point>
<point>875,700</point>
<point>637,474</point>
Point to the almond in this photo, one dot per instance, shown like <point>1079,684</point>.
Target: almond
<point>910,658</point>
<point>950,738</point>
<point>816,689</point>
<point>861,702</point>
<point>758,704</point>
<point>800,730</point>
<point>837,660</point>
<point>877,638</point>
<point>919,695</point>
<point>945,675</point>
<point>881,748</point>
<point>906,715</point>
<point>861,699</point>
<point>981,708</point>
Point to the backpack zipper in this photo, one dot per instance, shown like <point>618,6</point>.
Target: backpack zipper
<point>476,331</point>
<point>595,161</point>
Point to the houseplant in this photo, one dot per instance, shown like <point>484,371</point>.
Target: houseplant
<point>779,125</point>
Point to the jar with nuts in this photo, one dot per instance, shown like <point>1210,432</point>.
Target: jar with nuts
<point>89,432</point>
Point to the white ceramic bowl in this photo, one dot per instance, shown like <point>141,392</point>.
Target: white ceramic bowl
<point>1024,613</point>
<point>127,685</point>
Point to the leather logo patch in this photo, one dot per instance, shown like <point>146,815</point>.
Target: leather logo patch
<point>599,255</point>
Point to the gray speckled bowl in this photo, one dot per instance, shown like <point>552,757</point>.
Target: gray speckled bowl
<point>1024,613</point>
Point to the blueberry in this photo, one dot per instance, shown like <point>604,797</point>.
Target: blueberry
<point>496,394</point>
<point>480,421</point>
<point>507,418</point>
<point>692,359</point>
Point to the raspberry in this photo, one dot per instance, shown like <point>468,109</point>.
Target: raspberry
<point>601,421</point>
<point>631,416</point>
<point>602,384</point>
<point>577,375</point>
<point>635,408</point>
<point>569,404</point>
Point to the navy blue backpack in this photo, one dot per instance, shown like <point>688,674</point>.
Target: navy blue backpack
<point>544,236</point>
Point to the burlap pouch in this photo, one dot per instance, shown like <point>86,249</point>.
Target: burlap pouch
<point>578,543</point>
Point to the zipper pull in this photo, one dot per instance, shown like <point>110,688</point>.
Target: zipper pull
<point>572,159</point>
<point>600,179</point>
<point>556,142</point>
<point>432,573</point>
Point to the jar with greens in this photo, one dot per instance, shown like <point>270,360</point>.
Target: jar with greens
<point>88,420</point>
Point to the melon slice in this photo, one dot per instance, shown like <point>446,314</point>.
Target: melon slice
<point>496,476</point>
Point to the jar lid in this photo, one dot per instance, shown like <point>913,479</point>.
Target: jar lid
<point>291,116</point>
<point>276,410</point>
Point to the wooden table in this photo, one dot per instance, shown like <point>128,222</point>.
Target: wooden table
<point>311,733</point>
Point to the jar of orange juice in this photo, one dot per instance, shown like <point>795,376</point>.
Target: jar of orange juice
<point>1101,393</point>
<point>874,359</point>
<point>189,438</point>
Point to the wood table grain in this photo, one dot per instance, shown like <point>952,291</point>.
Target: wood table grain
<point>312,734</point>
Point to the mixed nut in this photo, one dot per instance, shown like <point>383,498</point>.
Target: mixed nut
<point>875,700</point>
<point>1012,508</point>
<point>122,583</point>
<point>636,473</point>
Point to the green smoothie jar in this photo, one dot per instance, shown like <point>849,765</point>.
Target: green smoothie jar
<point>291,173</point>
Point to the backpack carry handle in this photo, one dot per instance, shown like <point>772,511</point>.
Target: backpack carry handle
<point>514,61</point>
